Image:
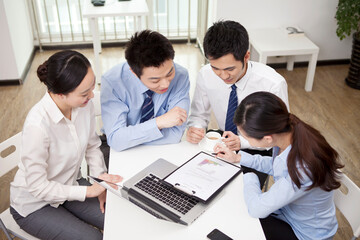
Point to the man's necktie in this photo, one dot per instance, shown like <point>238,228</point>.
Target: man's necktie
<point>233,103</point>
<point>147,109</point>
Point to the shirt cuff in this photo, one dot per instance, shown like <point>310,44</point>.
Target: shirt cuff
<point>196,125</point>
<point>244,144</point>
<point>77,193</point>
<point>151,127</point>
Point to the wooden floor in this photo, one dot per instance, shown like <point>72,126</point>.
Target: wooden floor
<point>332,107</point>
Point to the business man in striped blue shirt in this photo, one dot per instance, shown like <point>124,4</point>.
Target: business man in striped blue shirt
<point>145,100</point>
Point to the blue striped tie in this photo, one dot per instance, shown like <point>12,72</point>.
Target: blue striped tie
<point>147,109</point>
<point>233,102</point>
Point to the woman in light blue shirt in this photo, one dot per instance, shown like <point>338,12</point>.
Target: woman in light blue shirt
<point>299,205</point>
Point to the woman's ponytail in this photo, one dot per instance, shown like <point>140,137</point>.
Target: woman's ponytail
<point>314,155</point>
<point>263,113</point>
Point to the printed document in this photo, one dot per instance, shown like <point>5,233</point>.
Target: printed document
<point>202,176</point>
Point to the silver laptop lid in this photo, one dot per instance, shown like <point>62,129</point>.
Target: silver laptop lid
<point>160,168</point>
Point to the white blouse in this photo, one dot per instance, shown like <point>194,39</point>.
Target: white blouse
<point>53,148</point>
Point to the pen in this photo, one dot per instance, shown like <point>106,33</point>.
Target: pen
<point>217,153</point>
<point>216,156</point>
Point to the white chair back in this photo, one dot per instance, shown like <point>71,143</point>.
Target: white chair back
<point>10,153</point>
<point>348,203</point>
<point>97,104</point>
<point>10,157</point>
<point>97,108</point>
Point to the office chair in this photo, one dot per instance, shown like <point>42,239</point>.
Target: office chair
<point>9,159</point>
<point>348,204</point>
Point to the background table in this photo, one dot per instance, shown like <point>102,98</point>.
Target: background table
<point>276,42</point>
<point>112,8</point>
<point>124,220</point>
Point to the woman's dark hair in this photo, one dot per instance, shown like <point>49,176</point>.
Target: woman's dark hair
<point>263,113</point>
<point>63,71</point>
<point>148,49</point>
<point>225,37</point>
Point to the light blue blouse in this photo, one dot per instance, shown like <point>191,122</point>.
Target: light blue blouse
<point>311,214</point>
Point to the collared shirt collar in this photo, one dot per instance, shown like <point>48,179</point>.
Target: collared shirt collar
<point>53,110</point>
<point>242,82</point>
<point>284,154</point>
<point>139,84</point>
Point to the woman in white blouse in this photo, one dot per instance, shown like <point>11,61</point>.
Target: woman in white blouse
<point>48,199</point>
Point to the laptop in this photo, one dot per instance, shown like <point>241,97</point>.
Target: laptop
<point>150,190</point>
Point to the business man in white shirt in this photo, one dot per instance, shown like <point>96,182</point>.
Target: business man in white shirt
<point>224,82</point>
<point>226,47</point>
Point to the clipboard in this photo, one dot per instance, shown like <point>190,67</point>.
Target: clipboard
<point>203,176</point>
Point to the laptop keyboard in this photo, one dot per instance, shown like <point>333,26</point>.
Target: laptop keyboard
<point>175,199</point>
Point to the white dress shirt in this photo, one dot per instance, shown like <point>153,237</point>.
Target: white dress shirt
<point>53,148</point>
<point>212,93</point>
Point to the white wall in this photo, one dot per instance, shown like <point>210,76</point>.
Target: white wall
<point>8,68</point>
<point>16,42</point>
<point>315,17</point>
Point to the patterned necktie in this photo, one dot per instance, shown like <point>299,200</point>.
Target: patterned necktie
<point>147,109</point>
<point>233,102</point>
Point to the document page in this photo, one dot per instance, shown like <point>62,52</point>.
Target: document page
<point>202,175</point>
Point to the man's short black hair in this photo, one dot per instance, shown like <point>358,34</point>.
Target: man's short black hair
<point>225,37</point>
<point>148,49</point>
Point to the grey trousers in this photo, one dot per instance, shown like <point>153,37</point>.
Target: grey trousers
<point>71,220</point>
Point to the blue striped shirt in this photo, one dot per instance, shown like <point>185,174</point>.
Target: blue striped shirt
<point>122,96</point>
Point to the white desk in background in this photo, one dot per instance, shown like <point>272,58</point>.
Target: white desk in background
<point>112,8</point>
<point>276,42</point>
<point>124,220</point>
